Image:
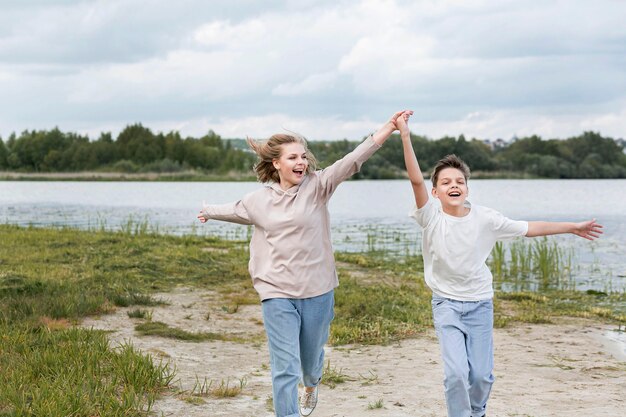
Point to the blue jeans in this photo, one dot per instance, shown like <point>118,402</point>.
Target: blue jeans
<point>465,332</point>
<point>297,330</point>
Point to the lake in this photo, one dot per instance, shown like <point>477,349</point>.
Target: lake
<point>366,215</point>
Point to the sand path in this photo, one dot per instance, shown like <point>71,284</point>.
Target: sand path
<point>567,369</point>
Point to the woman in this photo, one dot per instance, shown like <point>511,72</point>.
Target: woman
<point>291,257</point>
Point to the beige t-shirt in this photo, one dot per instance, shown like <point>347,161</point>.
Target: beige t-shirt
<point>291,254</point>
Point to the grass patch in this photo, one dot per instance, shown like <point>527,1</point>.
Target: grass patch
<point>75,372</point>
<point>139,313</point>
<point>376,405</point>
<point>52,277</point>
<point>379,300</point>
<point>226,390</point>
<point>205,388</point>
<point>332,376</point>
<point>67,273</point>
<point>157,328</point>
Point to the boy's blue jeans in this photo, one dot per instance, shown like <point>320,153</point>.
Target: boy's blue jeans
<point>465,332</point>
<point>297,330</point>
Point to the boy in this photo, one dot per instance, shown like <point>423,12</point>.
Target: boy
<point>456,241</point>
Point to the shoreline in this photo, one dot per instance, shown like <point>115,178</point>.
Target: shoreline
<point>122,176</point>
<point>230,176</point>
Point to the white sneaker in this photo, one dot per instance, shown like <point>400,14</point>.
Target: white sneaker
<point>308,401</point>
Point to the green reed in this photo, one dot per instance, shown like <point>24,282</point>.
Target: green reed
<point>536,264</point>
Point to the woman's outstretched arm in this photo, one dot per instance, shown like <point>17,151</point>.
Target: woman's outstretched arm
<point>232,212</point>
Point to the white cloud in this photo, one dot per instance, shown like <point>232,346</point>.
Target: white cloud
<point>266,125</point>
<point>223,33</point>
<point>505,124</point>
<point>479,67</point>
<point>311,84</point>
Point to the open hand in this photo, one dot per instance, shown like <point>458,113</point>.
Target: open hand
<point>589,230</point>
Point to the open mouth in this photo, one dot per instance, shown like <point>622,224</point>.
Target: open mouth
<point>298,172</point>
<point>455,194</point>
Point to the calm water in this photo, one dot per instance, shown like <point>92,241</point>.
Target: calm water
<point>365,214</point>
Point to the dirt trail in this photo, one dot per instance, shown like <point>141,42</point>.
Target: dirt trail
<point>569,369</point>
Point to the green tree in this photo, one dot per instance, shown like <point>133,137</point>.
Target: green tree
<point>174,147</point>
<point>105,150</point>
<point>4,153</point>
<point>138,144</point>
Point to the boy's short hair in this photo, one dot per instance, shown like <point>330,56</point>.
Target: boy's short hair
<point>449,161</point>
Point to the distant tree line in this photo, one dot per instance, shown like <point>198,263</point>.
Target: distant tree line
<point>138,149</point>
<point>586,156</point>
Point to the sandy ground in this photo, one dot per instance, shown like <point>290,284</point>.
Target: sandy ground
<point>567,369</point>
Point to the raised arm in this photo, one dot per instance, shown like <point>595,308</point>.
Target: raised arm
<point>335,174</point>
<point>588,229</point>
<point>412,166</point>
<point>383,133</point>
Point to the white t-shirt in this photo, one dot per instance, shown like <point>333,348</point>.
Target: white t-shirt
<point>455,249</point>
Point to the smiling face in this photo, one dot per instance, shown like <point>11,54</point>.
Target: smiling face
<point>451,189</point>
<point>291,165</point>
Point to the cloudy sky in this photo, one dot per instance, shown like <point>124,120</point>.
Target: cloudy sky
<point>326,69</point>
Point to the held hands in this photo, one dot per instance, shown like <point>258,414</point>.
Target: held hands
<point>402,122</point>
<point>400,118</point>
<point>589,230</point>
<point>383,133</point>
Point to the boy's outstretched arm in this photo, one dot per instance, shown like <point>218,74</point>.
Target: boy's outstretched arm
<point>412,166</point>
<point>589,229</point>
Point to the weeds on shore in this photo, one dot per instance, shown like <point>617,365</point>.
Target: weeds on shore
<point>376,405</point>
<point>532,265</point>
<point>332,376</point>
<point>210,388</point>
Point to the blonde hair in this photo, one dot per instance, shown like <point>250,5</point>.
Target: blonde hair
<point>449,161</point>
<point>271,149</point>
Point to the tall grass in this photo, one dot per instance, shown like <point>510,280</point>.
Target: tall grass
<point>74,372</point>
<point>532,265</point>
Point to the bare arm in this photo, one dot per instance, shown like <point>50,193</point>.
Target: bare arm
<point>330,177</point>
<point>383,133</point>
<point>588,229</point>
<point>412,166</point>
